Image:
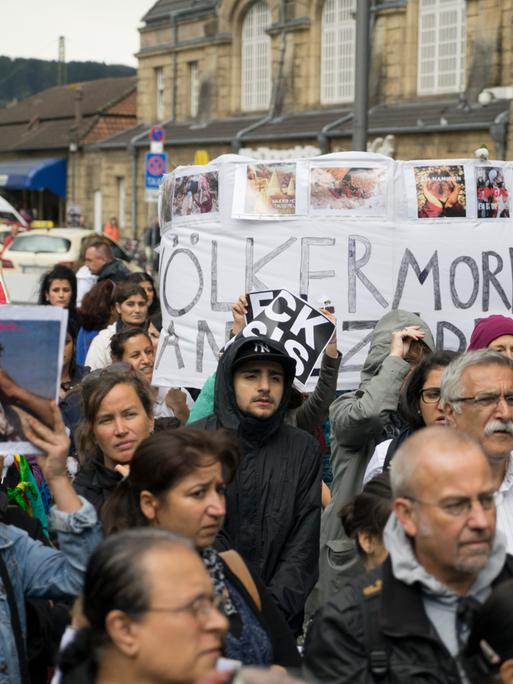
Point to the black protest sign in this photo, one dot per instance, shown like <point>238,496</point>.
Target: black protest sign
<point>257,301</point>
<point>303,330</point>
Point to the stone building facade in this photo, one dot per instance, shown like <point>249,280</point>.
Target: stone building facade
<point>276,78</point>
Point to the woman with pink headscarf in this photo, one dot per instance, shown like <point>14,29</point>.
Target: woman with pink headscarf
<point>494,332</point>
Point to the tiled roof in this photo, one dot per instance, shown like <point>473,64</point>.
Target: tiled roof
<point>59,102</point>
<point>163,8</point>
<point>53,125</point>
<point>106,127</point>
<point>416,116</point>
<point>419,116</point>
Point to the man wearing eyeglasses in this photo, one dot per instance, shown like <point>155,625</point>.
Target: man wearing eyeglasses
<point>407,621</point>
<point>477,396</point>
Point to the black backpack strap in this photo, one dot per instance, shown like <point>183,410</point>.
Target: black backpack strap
<point>15,622</point>
<point>368,592</point>
<point>392,448</point>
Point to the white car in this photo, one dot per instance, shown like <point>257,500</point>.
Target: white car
<point>33,252</point>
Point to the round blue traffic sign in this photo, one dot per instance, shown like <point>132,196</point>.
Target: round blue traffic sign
<point>157,134</point>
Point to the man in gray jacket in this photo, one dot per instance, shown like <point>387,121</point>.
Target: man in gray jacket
<point>407,621</point>
<point>360,420</point>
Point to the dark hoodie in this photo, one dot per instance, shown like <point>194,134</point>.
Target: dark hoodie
<point>274,504</point>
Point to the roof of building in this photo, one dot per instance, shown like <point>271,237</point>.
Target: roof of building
<point>407,117</point>
<point>47,120</point>
<point>59,102</point>
<point>162,9</point>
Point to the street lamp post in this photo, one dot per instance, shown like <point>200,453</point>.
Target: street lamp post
<point>361,91</point>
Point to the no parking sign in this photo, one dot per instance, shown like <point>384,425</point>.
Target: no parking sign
<point>155,166</point>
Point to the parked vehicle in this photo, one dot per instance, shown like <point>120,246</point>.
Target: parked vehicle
<point>33,252</point>
<point>9,215</point>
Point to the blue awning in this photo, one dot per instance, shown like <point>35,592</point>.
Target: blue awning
<point>34,174</point>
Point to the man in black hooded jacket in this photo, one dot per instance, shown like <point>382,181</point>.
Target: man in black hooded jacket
<point>274,504</point>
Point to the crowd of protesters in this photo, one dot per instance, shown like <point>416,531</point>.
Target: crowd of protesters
<point>182,536</point>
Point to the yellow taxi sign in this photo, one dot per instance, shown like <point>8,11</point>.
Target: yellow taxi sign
<point>201,157</point>
<point>42,224</point>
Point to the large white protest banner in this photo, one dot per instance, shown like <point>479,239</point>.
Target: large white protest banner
<point>369,233</point>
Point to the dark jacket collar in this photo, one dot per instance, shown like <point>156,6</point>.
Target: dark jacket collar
<point>402,608</point>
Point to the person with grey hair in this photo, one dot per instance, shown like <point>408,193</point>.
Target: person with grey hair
<point>407,620</point>
<point>477,396</point>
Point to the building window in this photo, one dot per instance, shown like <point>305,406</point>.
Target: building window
<point>159,94</point>
<point>441,67</point>
<point>194,88</point>
<point>338,28</point>
<point>256,59</point>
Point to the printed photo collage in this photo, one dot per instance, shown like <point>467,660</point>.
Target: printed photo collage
<point>283,190</point>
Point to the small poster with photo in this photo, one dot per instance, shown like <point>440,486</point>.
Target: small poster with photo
<point>493,197</point>
<point>195,195</point>
<point>347,190</point>
<point>270,189</point>
<point>440,191</point>
<point>31,351</point>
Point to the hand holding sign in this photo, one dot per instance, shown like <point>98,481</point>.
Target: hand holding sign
<point>239,311</point>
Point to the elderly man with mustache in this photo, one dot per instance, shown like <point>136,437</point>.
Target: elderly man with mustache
<point>477,396</point>
<point>406,621</point>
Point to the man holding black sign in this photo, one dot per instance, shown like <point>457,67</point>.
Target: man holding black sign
<point>274,504</point>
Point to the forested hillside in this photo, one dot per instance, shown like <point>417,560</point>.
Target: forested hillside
<point>22,77</point>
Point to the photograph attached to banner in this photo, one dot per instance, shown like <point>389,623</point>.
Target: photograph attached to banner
<point>493,197</point>
<point>195,195</point>
<point>270,189</point>
<point>31,348</point>
<point>440,191</point>
<point>303,330</point>
<point>348,191</point>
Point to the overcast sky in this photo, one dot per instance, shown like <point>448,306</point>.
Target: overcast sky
<point>97,30</point>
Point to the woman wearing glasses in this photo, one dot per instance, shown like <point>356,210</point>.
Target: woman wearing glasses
<point>151,615</point>
<point>177,482</point>
<point>419,406</point>
<point>116,410</point>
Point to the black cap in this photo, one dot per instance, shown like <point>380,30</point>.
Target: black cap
<point>262,351</point>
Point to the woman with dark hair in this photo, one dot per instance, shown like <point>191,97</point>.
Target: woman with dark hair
<point>131,304</point>
<point>134,346</point>
<point>116,415</point>
<point>155,328</point>
<point>145,281</point>
<point>150,612</point>
<point>365,517</point>
<point>59,288</point>
<point>177,482</point>
<point>488,655</point>
<point>419,406</point>
<point>96,312</point>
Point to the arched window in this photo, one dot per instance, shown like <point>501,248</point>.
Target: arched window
<point>441,59</point>
<point>338,28</point>
<point>256,59</point>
